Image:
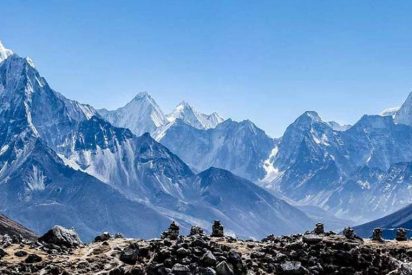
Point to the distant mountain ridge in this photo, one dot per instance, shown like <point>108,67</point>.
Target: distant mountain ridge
<point>143,115</point>
<point>356,173</point>
<point>315,162</point>
<point>62,163</point>
<point>145,160</point>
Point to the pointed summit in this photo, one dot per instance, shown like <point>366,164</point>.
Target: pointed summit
<point>4,52</point>
<point>142,95</point>
<point>140,115</point>
<point>185,112</point>
<point>404,115</point>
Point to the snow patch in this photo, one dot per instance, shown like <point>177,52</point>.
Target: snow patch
<point>35,179</point>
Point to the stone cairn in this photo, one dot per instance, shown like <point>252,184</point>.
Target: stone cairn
<point>172,233</point>
<point>349,233</point>
<point>377,235</point>
<point>217,229</point>
<point>401,235</point>
<point>319,229</point>
<point>196,230</point>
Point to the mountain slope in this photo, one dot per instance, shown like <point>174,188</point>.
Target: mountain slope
<point>399,219</point>
<point>354,173</point>
<point>61,162</point>
<point>44,192</point>
<point>404,114</point>
<point>12,228</point>
<point>4,53</point>
<point>239,147</point>
<point>243,203</point>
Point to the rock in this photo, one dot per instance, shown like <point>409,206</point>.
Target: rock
<point>172,232</point>
<point>311,239</point>
<point>179,269</point>
<point>182,252</point>
<point>207,271</point>
<point>319,229</point>
<point>223,268</point>
<point>20,253</point>
<point>130,254</point>
<point>293,267</point>
<point>377,235</point>
<point>217,229</point>
<point>117,271</point>
<point>2,253</point>
<point>105,236</point>
<point>234,257</point>
<point>196,230</point>
<point>401,235</point>
<point>61,236</point>
<point>33,258</point>
<point>208,259</point>
<point>6,241</point>
<point>118,236</point>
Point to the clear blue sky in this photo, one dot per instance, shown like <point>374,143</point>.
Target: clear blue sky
<point>267,61</point>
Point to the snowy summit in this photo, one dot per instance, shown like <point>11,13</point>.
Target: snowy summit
<point>4,52</point>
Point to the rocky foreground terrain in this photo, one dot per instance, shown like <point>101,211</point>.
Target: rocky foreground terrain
<point>60,251</point>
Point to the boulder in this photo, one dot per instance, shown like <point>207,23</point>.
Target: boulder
<point>130,254</point>
<point>33,258</point>
<point>223,268</point>
<point>180,269</point>
<point>105,236</point>
<point>207,271</point>
<point>293,267</point>
<point>311,239</point>
<point>2,253</point>
<point>20,253</point>
<point>61,236</point>
<point>208,259</point>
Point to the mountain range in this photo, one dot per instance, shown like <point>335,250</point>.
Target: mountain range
<point>356,172</point>
<point>135,168</point>
<point>62,162</point>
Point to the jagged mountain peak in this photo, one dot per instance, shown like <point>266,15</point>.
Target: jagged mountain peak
<point>140,115</point>
<point>373,122</point>
<point>143,96</point>
<point>310,116</point>
<point>192,117</point>
<point>4,52</point>
<point>404,114</point>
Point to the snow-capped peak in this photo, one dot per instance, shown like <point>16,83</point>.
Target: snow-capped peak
<point>140,115</point>
<point>189,115</point>
<point>142,95</point>
<point>4,52</point>
<point>404,114</point>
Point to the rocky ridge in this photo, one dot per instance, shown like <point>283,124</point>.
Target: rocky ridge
<point>315,252</point>
<point>12,228</point>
